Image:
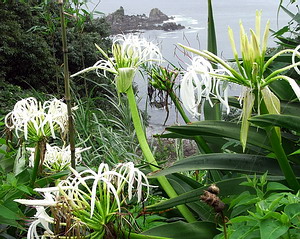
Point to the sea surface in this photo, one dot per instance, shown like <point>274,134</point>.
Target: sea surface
<point>193,15</point>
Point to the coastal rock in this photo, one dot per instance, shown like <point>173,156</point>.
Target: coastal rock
<point>171,26</point>
<point>157,15</point>
<point>121,23</point>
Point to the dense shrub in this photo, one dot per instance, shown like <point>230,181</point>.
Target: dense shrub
<point>30,46</point>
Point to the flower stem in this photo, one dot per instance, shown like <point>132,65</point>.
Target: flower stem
<point>67,83</point>
<point>276,144</point>
<point>36,163</point>
<point>282,158</point>
<point>202,145</point>
<point>149,156</point>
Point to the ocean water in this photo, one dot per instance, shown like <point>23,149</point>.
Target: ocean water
<point>193,15</point>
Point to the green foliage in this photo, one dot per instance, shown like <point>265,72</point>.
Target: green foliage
<point>30,45</point>
<point>109,131</point>
<point>178,230</point>
<point>13,185</point>
<point>10,94</point>
<point>272,212</point>
<point>231,162</point>
<point>26,58</point>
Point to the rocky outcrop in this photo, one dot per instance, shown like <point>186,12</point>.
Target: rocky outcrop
<point>121,23</point>
<point>157,15</point>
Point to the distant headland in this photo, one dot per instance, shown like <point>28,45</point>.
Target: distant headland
<point>121,23</point>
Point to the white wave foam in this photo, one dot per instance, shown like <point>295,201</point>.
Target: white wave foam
<point>184,20</point>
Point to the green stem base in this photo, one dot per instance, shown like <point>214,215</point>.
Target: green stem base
<point>165,184</point>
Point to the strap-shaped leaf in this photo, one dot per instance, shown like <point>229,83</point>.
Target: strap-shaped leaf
<point>179,230</point>
<point>227,187</point>
<point>231,162</point>
<point>256,136</point>
<point>290,108</point>
<point>285,121</point>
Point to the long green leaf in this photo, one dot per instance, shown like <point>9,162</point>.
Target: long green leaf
<point>183,184</point>
<point>232,162</point>
<point>179,230</point>
<point>292,15</point>
<point>256,136</point>
<point>290,108</point>
<point>283,90</point>
<point>211,32</point>
<point>285,121</point>
<point>211,113</point>
<point>227,187</point>
<point>218,144</point>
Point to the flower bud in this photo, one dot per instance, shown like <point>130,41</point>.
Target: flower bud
<point>124,79</point>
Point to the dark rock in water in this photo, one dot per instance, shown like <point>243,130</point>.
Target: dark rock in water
<point>171,26</point>
<point>121,23</point>
<point>157,15</point>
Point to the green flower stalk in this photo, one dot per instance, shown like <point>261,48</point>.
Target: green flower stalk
<point>201,78</point>
<point>71,135</point>
<point>130,52</point>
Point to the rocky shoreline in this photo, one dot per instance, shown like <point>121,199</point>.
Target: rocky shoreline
<point>121,23</point>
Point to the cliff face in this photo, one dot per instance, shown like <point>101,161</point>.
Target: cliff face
<point>121,23</point>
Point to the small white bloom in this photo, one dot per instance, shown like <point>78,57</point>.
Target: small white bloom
<point>135,50</point>
<point>57,113</point>
<point>42,218</point>
<point>27,113</point>
<point>41,215</point>
<point>57,159</point>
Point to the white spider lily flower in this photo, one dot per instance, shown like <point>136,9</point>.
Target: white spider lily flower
<point>42,218</point>
<point>26,115</point>
<point>250,72</point>
<point>134,50</point>
<point>199,82</point>
<point>102,187</point>
<point>135,179</point>
<point>35,120</point>
<point>104,177</point>
<point>57,113</point>
<point>129,52</point>
<point>57,159</point>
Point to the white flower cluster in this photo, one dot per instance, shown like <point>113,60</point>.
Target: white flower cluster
<point>132,51</point>
<point>129,52</point>
<point>36,120</point>
<point>57,159</point>
<point>102,193</point>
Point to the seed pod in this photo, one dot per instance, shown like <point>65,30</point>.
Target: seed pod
<point>210,198</point>
<point>213,189</point>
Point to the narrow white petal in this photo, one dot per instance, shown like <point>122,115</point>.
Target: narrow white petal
<point>294,86</point>
<point>36,202</point>
<point>296,53</point>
